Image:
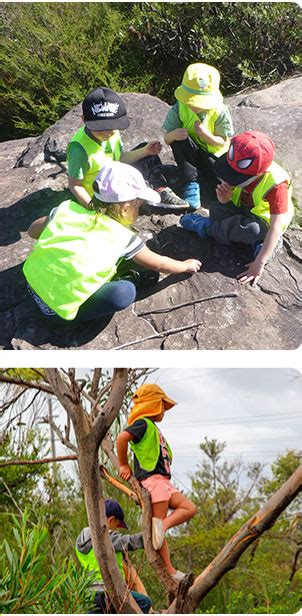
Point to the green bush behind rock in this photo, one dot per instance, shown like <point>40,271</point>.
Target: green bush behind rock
<point>54,53</point>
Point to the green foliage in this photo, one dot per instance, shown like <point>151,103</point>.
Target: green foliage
<point>26,587</point>
<point>54,53</point>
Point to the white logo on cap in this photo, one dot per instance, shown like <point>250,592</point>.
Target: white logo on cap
<point>203,84</point>
<point>104,108</point>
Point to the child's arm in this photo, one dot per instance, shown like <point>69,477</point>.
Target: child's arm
<point>121,448</point>
<point>37,227</point>
<point>207,136</point>
<point>150,149</point>
<point>152,260</point>
<point>256,267</point>
<point>77,189</point>
<point>178,134</point>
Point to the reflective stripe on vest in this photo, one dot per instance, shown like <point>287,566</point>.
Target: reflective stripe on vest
<point>96,153</point>
<point>74,256</point>
<point>89,562</point>
<point>188,118</point>
<point>274,176</point>
<point>148,449</point>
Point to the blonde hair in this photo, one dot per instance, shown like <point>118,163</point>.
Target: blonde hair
<point>113,210</point>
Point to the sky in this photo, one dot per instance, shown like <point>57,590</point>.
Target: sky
<point>257,412</point>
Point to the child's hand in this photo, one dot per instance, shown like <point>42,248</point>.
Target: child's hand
<point>125,471</point>
<point>180,134</point>
<point>153,147</point>
<point>192,265</point>
<point>224,192</point>
<point>252,274</point>
<point>201,130</point>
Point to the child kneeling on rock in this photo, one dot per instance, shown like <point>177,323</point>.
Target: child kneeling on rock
<point>254,204</point>
<point>72,271</point>
<point>152,462</point>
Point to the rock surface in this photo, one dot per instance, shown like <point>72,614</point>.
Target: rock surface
<point>32,180</point>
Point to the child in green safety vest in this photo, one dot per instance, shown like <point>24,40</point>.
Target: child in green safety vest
<point>254,204</point>
<point>198,127</point>
<point>73,271</point>
<point>122,544</point>
<point>104,115</point>
<point>152,466</point>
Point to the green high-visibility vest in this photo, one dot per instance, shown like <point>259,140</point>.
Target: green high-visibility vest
<point>147,450</point>
<point>75,255</point>
<point>188,118</point>
<point>274,175</point>
<point>89,562</point>
<point>97,153</point>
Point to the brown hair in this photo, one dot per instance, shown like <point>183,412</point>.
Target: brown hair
<point>114,210</point>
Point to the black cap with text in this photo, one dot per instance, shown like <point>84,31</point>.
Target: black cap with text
<point>103,109</point>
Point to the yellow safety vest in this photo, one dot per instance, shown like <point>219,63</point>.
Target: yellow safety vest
<point>75,255</point>
<point>89,562</point>
<point>275,175</point>
<point>97,153</point>
<point>148,449</point>
<point>188,118</point>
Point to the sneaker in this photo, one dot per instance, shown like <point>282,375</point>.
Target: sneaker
<point>158,533</point>
<point>196,223</point>
<point>178,576</point>
<point>258,246</point>
<point>191,193</point>
<point>142,279</point>
<point>171,200</point>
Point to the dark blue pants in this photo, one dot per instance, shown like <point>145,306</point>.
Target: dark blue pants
<point>110,298</point>
<point>103,605</point>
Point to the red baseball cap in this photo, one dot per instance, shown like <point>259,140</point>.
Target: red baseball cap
<point>249,155</point>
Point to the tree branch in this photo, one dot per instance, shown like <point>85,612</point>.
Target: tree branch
<point>228,557</point>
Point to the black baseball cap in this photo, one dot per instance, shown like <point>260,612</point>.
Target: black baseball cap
<point>103,109</point>
<point>113,508</point>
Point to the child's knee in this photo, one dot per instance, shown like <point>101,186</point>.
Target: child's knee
<point>192,509</point>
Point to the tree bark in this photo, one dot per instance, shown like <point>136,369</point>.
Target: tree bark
<point>89,435</point>
<point>228,557</point>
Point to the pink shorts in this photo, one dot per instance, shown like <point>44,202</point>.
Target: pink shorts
<point>159,487</point>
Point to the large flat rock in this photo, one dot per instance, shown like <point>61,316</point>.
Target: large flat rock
<point>33,180</point>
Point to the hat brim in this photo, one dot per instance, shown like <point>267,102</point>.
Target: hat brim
<point>108,124</point>
<point>225,172</point>
<point>169,403</point>
<point>204,101</point>
<point>148,194</point>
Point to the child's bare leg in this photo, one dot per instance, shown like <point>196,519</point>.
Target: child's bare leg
<point>160,510</point>
<point>183,510</point>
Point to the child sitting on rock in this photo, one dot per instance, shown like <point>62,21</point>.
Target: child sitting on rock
<point>104,115</point>
<point>254,204</point>
<point>72,271</point>
<point>198,128</point>
<point>152,466</point>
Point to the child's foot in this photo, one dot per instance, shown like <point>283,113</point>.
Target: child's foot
<point>191,193</point>
<point>196,223</point>
<point>158,533</point>
<point>178,576</point>
<point>169,199</point>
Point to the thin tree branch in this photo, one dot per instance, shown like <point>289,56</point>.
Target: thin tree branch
<point>28,384</point>
<point>188,303</point>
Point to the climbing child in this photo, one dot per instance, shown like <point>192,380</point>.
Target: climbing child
<point>254,204</point>
<point>72,271</point>
<point>152,466</point>
<point>198,128</point>
<point>122,544</point>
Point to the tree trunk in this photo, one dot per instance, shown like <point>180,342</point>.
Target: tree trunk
<point>250,532</point>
